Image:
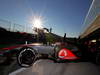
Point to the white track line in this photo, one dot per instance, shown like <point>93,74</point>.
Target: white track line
<point>17,71</point>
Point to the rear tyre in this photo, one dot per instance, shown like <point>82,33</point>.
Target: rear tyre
<point>98,59</point>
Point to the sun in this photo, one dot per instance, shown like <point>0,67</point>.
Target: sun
<point>37,22</point>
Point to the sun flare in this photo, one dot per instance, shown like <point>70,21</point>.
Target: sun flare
<point>37,22</point>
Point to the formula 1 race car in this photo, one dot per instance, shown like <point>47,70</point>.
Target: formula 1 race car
<point>61,52</point>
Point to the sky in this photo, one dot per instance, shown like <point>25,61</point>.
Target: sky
<point>63,16</point>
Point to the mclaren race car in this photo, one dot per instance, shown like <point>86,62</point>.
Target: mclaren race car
<point>59,52</point>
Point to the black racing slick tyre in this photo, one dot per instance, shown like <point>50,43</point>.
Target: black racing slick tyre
<point>98,59</point>
<point>26,56</point>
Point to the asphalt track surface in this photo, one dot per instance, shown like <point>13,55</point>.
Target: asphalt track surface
<point>48,67</point>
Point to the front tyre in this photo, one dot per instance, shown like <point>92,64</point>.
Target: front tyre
<point>26,56</point>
